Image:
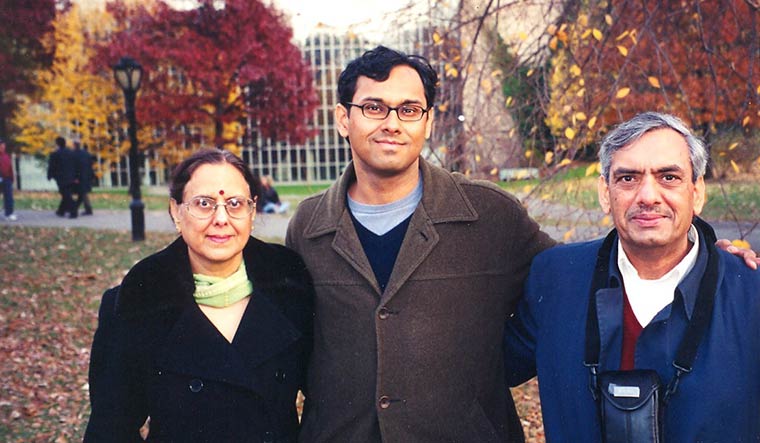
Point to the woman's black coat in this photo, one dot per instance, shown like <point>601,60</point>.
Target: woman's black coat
<point>156,354</point>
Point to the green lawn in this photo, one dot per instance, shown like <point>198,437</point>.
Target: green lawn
<point>153,198</point>
<point>100,199</point>
<point>300,192</point>
<point>726,200</point>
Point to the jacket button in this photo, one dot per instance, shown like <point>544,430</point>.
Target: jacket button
<point>196,385</point>
<point>384,402</point>
<point>279,375</point>
<point>383,313</point>
<point>268,437</point>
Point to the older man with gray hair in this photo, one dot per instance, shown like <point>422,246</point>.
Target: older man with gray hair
<point>651,334</point>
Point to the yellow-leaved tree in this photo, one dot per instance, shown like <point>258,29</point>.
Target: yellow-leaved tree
<point>573,110</point>
<point>74,102</point>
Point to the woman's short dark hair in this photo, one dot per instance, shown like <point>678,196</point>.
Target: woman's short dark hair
<point>184,171</point>
<point>377,65</point>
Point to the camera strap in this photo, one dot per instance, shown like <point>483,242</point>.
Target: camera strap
<point>695,330</point>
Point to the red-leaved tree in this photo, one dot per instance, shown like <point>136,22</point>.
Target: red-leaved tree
<point>23,49</point>
<point>213,67</point>
<point>697,59</point>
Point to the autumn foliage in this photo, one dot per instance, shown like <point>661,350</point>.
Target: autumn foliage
<point>24,26</point>
<point>696,59</point>
<point>209,69</point>
<point>71,99</point>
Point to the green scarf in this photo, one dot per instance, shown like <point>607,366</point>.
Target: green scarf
<point>221,292</point>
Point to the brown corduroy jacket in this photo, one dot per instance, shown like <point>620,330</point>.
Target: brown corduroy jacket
<point>421,361</point>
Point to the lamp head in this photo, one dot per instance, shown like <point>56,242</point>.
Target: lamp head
<point>128,74</point>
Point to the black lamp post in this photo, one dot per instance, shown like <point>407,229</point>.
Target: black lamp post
<point>128,74</point>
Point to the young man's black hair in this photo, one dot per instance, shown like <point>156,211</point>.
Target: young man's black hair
<point>377,65</point>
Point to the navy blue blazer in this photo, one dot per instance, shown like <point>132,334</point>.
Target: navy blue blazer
<point>718,401</point>
<point>155,354</point>
<point>62,167</point>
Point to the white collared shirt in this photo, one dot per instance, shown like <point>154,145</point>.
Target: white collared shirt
<point>648,297</point>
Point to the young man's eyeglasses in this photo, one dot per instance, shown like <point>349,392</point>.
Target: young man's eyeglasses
<point>379,111</point>
<point>204,208</point>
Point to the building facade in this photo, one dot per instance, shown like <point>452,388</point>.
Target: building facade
<point>324,156</point>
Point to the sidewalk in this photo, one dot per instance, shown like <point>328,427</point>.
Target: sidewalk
<point>273,227</point>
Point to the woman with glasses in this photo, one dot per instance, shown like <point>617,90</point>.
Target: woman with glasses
<point>207,340</point>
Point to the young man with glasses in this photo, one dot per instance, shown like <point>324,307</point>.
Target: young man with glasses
<point>416,270</point>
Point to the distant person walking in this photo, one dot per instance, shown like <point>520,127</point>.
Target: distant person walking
<point>85,176</point>
<point>62,168</point>
<point>6,177</point>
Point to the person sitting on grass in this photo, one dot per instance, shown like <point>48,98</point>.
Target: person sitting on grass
<point>271,201</point>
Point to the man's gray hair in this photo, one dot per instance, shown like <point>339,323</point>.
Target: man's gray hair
<point>633,129</point>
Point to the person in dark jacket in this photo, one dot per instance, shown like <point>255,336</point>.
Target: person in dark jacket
<point>85,176</point>
<point>207,340</point>
<point>416,270</point>
<point>626,305</point>
<point>62,168</point>
<point>6,182</point>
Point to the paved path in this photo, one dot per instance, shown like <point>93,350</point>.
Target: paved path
<point>267,226</point>
<point>273,227</point>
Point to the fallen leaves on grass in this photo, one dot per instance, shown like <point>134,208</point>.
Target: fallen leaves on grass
<point>52,280</point>
<point>529,410</point>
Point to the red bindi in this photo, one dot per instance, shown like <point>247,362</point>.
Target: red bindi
<point>221,192</point>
